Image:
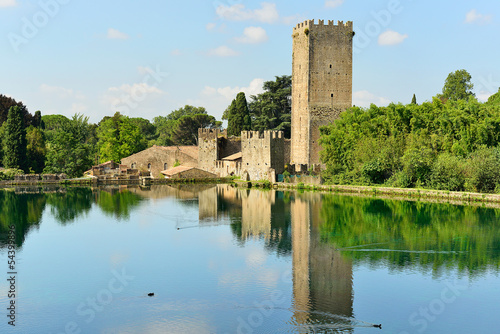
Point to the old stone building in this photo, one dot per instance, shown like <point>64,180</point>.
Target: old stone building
<point>321,83</point>
<point>158,158</point>
<point>263,154</point>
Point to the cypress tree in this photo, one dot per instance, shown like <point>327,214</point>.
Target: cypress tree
<point>239,116</point>
<point>243,112</point>
<point>414,99</point>
<point>15,140</point>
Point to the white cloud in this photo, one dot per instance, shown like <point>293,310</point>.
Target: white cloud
<point>143,70</point>
<point>391,37</point>
<point>253,35</point>
<point>8,3</point>
<point>223,51</point>
<point>176,52</point>
<point>61,100</point>
<point>61,92</point>
<point>333,3</point>
<point>474,17</point>
<point>364,98</point>
<point>229,93</point>
<point>116,34</point>
<point>217,99</point>
<point>267,13</point>
<point>211,26</point>
<point>483,96</point>
<point>128,97</point>
<point>136,89</point>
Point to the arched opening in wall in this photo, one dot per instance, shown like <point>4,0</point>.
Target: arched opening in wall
<point>149,166</point>
<point>134,165</point>
<point>165,166</point>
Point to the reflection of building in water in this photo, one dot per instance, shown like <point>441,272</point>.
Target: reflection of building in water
<point>322,279</point>
<point>253,214</point>
<point>256,214</point>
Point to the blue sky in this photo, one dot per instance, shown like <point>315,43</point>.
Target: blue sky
<point>147,58</point>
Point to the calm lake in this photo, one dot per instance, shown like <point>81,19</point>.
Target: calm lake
<point>225,260</point>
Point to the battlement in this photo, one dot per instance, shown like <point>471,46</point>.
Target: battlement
<point>264,135</point>
<point>208,133</point>
<point>310,24</point>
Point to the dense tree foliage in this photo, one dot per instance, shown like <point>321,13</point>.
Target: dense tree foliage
<point>119,136</point>
<point>14,140</point>
<point>271,110</point>
<point>186,131</point>
<point>36,149</point>
<point>451,146</point>
<point>238,116</point>
<point>494,99</point>
<point>71,149</point>
<point>167,125</point>
<point>6,103</point>
<point>458,86</point>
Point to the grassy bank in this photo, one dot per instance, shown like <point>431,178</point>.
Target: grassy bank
<point>403,193</point>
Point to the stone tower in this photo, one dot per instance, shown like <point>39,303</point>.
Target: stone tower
<point>321,83</point>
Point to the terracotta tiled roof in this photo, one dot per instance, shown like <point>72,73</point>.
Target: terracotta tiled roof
<point>176,170</point>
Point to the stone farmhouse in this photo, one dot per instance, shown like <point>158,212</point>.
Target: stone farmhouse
<point>321,90</point>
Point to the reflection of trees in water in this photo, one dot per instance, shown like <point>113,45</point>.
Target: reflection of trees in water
<point>22,210</point>
<point>427,235</point>
<point>69,205</point>
<point>117,203</point>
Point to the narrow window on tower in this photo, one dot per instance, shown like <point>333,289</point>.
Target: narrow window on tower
<point>330,65</point>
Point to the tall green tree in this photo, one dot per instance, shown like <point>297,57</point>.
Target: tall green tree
<point>271,110</point>
<point>187,110</point>
<point>70,150</point>
<point>186,132</point>
<point>119,136</point>
<point>414,99</point>
<point>239,116</point>
<point>458,86</point>
<point>167,125</point>
<point>15,140</point>
<point>53,124</point>
<point>36,149</point>
<point>6,103</point>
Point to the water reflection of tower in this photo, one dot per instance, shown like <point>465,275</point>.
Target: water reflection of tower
<point>322,279</point>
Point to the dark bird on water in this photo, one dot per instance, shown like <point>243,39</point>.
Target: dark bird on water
<point>378,326</point>
<point>151,294</point>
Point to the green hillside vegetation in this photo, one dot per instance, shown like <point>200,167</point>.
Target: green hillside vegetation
<point>448,146</point>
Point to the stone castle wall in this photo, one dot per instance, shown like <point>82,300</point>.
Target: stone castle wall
<point>321,83</point>
<point>208,149</point>
<point>262,152</point>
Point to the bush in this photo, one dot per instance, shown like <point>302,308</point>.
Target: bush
<point>374,171</point>
<point>10,173</point>
<point>448,173</point>
<point>483,170</point>
<point>399,180</point>
<point>417,164</point>
<point>300,185</point>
